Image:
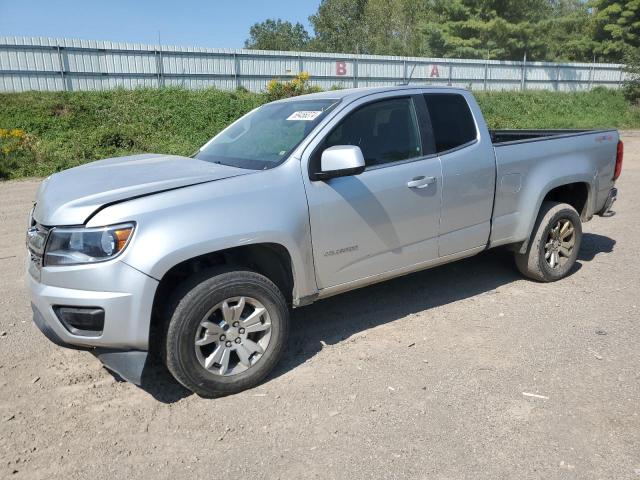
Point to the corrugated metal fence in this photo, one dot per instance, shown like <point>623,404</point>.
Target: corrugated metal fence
<point>34,63</point>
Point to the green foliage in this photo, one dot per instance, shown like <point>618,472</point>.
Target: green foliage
<point>298,86</point>
<point>339,26</point>
<point>503,29</point>
<point>616,27</point>
<point>632,83</point>
<point>67,129</point>
<point>393,27</point>
<point>382,27</point>
<point>277,35</point>
<point>45,132</point>
<point>16,147</point>
<point>552,30</point>
<point>599,108</point>
<point>568,32</point>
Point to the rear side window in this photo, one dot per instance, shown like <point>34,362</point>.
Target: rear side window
<point>451,120</point>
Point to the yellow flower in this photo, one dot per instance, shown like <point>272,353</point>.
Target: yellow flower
<point>273,84</point>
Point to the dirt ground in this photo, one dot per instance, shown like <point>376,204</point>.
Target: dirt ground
<point>463,371</point>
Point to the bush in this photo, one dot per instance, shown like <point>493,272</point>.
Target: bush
<point>72,128</point>
<point>599,108</point>
<point>16,147</point>
<point>45,132</point>
<point>632,83</point>
<point>298,86</point>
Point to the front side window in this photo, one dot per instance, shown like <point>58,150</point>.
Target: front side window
<point>386,131</point>
<point>451,120</point>
<point>265,137</point>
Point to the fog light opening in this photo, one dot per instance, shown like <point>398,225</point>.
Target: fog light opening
<point>82,321</point>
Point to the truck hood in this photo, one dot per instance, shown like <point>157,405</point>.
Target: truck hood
<point>71,196</point>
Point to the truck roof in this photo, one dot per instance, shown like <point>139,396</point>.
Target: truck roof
<point>355,93</point>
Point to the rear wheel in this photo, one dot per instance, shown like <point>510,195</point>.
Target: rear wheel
<point>226,332</point>
<point>554,244</point>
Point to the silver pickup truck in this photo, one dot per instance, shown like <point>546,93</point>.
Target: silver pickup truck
<point>201,258</point>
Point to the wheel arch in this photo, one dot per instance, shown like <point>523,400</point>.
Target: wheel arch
<point>272,260</point>
<point>269,259</point>
<point>577,193</point>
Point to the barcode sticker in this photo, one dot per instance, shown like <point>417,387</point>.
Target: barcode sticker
<point>305,116</point>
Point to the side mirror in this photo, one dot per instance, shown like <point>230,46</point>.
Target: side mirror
<point>340,161</point>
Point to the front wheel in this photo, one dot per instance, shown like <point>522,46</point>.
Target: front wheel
<point>554,244</point>
<point>226,333</point>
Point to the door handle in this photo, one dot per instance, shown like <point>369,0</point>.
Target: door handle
<point>421,182</point>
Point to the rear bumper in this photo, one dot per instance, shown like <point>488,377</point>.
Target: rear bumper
<point>611,198</point>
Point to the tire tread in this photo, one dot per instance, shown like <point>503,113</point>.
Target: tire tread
<point>529,263</point>
<point>185,300</point>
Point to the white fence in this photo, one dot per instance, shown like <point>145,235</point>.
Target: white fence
<point>34,63</point>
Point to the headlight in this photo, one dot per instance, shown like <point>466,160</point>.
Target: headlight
<point>31,222</point>
<point>73,246</point>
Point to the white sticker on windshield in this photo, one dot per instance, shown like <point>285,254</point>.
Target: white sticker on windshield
<point>305,116</point>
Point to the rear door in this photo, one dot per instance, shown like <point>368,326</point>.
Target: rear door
<point>468,170</point>
<point>387,217</point>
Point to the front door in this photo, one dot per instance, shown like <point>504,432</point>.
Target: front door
<point>386,218</point>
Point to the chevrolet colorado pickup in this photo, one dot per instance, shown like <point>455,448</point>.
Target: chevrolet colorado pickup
<point>201,258</point>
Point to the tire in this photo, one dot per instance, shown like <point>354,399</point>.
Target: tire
<point>201,300</point>
<point>537,262</point>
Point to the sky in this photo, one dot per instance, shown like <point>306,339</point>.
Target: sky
<point>205,23</point>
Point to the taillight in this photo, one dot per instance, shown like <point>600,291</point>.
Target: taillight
<point>619,155</point>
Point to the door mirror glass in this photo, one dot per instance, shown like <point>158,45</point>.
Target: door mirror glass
<point>340,161</point>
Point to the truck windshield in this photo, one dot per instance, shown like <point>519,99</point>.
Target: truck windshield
<point>265,137</point>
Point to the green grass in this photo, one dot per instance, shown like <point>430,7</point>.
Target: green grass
<point>599,108</point>
<point>66,129</point>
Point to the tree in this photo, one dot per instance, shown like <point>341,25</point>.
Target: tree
<point>503,29</point>
<point>552,30</point>
<point>632,82</point>
<point>568,32</point>
<point>382,27</point>
<point>339,26</point>
<point>393,27</point>
<point>277,35</point>
<point>616,28</point>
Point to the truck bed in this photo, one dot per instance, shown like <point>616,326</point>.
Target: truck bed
<point>508,136</point>
<point>529,162</point>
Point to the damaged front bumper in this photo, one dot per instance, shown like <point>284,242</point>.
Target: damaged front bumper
<point>119,335</point>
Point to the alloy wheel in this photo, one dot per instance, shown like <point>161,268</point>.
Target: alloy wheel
<point>560,243</point>
<point>233,336</point>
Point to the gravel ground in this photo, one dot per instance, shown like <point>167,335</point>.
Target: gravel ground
<point>463,371</point>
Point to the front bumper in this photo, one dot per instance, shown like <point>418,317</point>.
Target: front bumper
<point>126,296</point>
